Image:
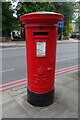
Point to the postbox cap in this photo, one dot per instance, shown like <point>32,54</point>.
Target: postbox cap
<point>48,16</point>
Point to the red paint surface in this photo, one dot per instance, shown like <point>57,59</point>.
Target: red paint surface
<point>41,70</point>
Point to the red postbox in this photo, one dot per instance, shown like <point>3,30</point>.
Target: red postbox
<point>41,29</point>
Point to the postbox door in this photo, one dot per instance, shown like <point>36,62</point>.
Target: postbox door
<point>43,78</point>
<point>42,62</point>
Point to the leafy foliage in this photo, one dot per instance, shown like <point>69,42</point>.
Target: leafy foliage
<point>78,21</point>
<point>9,22</point>
<point>65,8</point>
<point>0,16</point>
<point>69,28</point>
<point>28,7</point>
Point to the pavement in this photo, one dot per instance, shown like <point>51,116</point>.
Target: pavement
<point>23,43</point>
<point>14,101</point>
<point>13,44</point>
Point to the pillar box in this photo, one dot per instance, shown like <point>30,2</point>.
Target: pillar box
<point>41,30</point>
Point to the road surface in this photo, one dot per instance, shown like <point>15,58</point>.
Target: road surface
<point>14,60</point>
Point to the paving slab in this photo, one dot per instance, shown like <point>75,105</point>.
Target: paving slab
<point>13,110</point>
<point>67,90</point>
<point>67,114</point>
<point>21,95</point>
<point>19,91</point>
<point>71,81</point>
<point>6,98</point>
<point>0,112</point>
<point>67,98</point>
<point>19,87</point>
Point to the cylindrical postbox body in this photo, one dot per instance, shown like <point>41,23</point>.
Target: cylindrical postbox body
<point>41,37</point>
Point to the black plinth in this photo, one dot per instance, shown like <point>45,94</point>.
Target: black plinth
<point>40,99</point>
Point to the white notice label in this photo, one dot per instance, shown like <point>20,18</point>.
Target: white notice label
<point>40,48</point>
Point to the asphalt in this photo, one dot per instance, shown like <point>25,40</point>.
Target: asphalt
<point>14,101</point>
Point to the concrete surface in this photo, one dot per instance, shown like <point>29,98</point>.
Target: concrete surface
<point>15,105</point>
<point>12,44</point>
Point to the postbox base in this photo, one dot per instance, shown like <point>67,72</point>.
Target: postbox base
<point>40,99</point>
